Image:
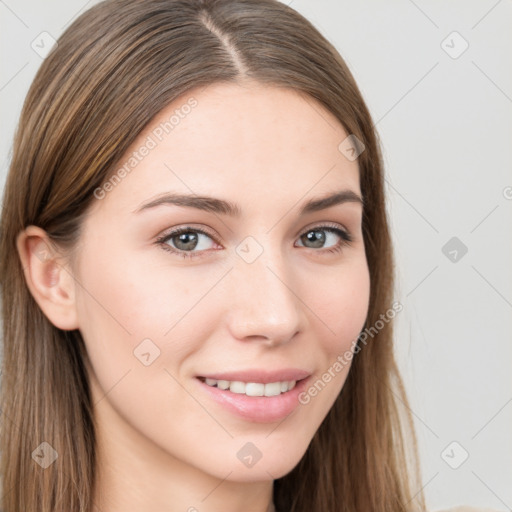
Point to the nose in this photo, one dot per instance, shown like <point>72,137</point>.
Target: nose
<point>264,305</point>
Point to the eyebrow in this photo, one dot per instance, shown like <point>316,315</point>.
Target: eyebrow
<point>221,206</point>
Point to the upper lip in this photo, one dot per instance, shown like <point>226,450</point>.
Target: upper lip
<point>260,375</point>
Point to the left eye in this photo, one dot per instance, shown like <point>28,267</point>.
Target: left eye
<point>318,238</point>
<point>185,240</point>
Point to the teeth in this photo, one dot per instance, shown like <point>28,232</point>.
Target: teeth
<point>253,388</point>
<point>272,389</point>
<point>237,387</point>
<point>222,384</point>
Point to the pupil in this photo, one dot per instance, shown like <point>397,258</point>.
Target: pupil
<point>189,239</point>
<point>317,237</point>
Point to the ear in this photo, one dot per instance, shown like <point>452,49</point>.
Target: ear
<point>48,277</point>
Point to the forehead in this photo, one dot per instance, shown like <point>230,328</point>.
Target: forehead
<point>259,143</point>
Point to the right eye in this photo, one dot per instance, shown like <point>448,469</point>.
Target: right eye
<point>184,241</point>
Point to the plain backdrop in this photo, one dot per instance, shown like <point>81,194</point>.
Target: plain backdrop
<point>438,81</point>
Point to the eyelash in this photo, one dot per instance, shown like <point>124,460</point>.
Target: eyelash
<point>345,237</point>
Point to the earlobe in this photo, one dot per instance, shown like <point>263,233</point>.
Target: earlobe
<point>48,277</point>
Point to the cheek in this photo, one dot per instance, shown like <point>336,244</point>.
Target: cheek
<point>118,308</point>
<point>125,301</point>
<point>132,293</point>
<point>342,306</point>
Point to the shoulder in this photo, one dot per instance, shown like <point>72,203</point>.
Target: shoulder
<point>467,508</point>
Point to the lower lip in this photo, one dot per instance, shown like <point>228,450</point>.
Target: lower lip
<point>258,409</point>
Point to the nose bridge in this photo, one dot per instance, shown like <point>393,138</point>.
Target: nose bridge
<point>262,303</point>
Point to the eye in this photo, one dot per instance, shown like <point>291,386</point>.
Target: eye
<point>320,235</point>
<point>183,241</point>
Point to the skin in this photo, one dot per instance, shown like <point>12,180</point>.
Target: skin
<point>162,443</point>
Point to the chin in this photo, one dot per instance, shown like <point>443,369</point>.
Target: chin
<point>262,460</point>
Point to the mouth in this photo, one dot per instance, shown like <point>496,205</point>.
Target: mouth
<point>251,388</point>
<point>256,396</point>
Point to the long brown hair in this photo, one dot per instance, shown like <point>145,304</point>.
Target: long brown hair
<point>114,69</point>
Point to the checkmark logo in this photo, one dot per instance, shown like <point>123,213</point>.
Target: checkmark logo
<point>249,454</point>
<point>43,44</point>
<point>351,147</point>
<point>45,455</point>
<point>249,249</point>
<point>454,45</point>
<point>455,455</point>
<point>454,249</point>
<point>146,351</point>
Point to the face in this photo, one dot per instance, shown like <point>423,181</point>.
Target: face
<point>253,293</point>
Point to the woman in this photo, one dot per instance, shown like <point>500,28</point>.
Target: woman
<point>197,274</point>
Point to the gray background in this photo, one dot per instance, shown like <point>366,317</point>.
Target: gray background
<point>444,118</point>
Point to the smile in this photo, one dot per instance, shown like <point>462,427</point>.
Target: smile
<point>252,388</point>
